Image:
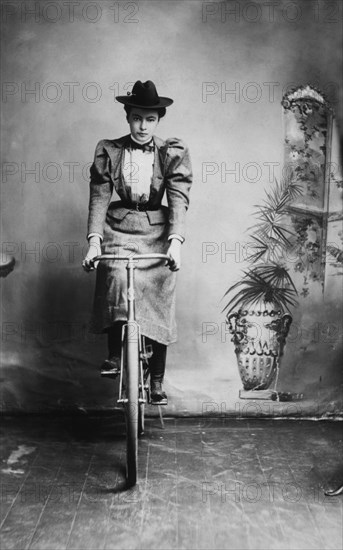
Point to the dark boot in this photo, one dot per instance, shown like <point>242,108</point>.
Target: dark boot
<point>157,365</point>
<point>111,366</point>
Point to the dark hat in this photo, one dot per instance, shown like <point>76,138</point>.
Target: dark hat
<point>144,96</point>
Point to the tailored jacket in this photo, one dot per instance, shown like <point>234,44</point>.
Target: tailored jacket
<point>172,172</point>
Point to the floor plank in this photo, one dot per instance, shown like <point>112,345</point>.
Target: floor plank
<point>204,483</point>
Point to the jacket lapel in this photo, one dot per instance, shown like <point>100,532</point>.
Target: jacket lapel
<point>117,156</point>
<point>117,160</point>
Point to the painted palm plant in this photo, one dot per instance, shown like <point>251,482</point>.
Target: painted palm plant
<point>259,304</point>
<point>269,283</point>
<point>268,279</point>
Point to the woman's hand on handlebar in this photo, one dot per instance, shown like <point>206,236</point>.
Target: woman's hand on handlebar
<point>94,249</point>
<point>174,253</point>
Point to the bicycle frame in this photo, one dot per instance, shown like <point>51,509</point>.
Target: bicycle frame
<point>132,386</point>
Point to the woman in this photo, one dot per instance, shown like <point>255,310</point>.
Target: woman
<point>140,168</point>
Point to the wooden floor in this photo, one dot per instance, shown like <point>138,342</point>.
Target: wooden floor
<point>204,483</point>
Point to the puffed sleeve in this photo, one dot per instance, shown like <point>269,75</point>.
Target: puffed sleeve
<point>178,178</point>
<point>101,188</point>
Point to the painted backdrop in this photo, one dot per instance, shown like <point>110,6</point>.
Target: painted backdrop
<point>227,65</point>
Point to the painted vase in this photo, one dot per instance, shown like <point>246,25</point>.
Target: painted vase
<point>259,336</point>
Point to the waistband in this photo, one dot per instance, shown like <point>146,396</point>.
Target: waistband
<point>138,206</point>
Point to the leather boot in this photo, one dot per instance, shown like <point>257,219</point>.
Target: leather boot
<point>157,365</point>
<point>111,366</point>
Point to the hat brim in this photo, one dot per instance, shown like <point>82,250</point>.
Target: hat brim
<point>128,100</point>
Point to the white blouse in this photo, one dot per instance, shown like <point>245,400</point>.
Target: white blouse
<point>137,173</point>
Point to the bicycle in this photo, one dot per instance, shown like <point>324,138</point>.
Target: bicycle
<point>134,389</point>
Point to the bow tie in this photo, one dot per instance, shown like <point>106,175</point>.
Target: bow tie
<point>145,147</point>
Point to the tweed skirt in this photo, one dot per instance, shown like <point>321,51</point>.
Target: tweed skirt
<point>128,231</point>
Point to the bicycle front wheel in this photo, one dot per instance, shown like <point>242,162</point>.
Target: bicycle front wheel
<point>144,398</point>
<point>132,404</point>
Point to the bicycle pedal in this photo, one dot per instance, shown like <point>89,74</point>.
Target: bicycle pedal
<point>163,401</point>
<point>109,373</point>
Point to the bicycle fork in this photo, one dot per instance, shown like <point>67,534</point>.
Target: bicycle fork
<point>132,330</point>
<point>131,340</point>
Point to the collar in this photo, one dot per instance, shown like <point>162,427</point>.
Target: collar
<point>147,146</point>
<point>149,141</point>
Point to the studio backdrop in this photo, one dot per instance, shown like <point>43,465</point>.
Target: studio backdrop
<point>257,98</point>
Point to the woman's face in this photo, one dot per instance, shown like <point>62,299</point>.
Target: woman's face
<point>142,124</point>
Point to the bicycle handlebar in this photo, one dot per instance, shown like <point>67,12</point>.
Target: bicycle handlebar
<point>152,256</point>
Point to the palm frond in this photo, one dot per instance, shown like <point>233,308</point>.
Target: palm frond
<point>261,248</point>
<point>275,232</point>
<point>294,190</point>
<point>269,282</point>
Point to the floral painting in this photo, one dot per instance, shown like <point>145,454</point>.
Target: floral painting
<point>307,150</point>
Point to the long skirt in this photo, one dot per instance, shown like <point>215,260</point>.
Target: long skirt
<point>128,231</point>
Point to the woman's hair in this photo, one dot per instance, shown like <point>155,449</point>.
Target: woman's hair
<point>160,111</point>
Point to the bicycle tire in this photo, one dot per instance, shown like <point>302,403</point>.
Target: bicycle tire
<point>140,419</point>
<point>144,394</point>
<point>132,404</point>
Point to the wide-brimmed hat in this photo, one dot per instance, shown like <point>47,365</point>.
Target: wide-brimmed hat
<point>145,96</point>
